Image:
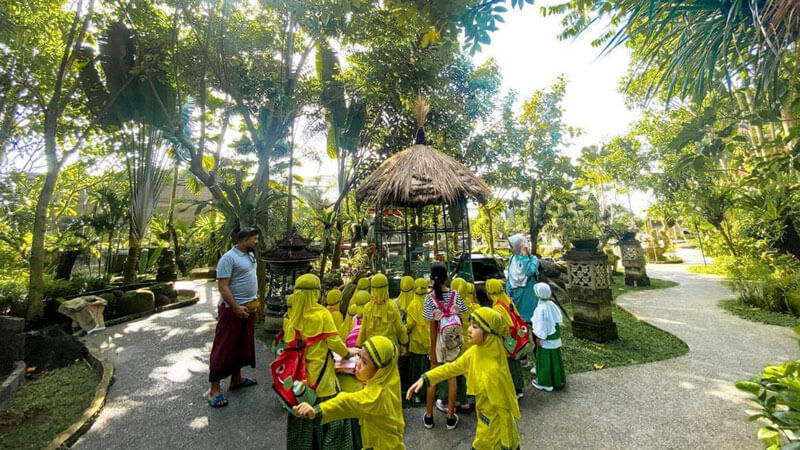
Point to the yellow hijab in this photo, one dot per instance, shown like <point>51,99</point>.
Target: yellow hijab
<point>457,284</point>
<point>488,368</point>
<point>420,336</point>
<point>363,284</point>
<point>361,299</point>
<point>406,293</point>
<point>306,315</point>
<point>494,288</point>
<point>334,297</point>
<point>384,387</point>
<point>467,293</point>
<point>379,287</point>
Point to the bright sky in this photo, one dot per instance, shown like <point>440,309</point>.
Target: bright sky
<point>531,57</point>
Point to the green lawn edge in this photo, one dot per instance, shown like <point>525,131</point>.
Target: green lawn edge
<point>739,309</point>
<point>65,393</point>
<point>639,342</point>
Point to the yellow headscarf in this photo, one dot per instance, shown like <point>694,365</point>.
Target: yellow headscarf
<point>467,294</point>
<point>379,288</point>
<point>494,288</point>
<point>420,335</point>
<point>334,297</point>
<point>488,370</point>
<point>363,284</point>
<point>457,284</point>
<point>306,315</point>
<point>361,299</point>
<point>386,382</point>
<point>406,293</point>
<point>378,406</point>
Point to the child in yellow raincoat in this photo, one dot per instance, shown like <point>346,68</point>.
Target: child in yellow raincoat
<point>503,304</point>
<point>381,316</point>
<point>308,318</point>
<point>378,406</point>
<point>419,334</point>
<point>488,379</point>
<point>351,327</point>
<point>332,301</point>
<point>406,294</point>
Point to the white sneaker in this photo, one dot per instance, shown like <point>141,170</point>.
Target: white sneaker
<point>452,422</point>
<point>541,388</point>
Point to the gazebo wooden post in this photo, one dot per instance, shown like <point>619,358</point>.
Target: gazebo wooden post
<point>407,264</point>
<point>446,243</point>
<point>435,233</point>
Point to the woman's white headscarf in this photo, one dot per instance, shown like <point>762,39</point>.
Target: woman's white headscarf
<point>547,314</point>
<point>516,271</point>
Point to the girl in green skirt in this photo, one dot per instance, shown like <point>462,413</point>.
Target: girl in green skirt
<point>547,328</point>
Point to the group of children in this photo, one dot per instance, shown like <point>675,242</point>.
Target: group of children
<point>423,338</point>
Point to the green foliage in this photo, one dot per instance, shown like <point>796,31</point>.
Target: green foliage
<point>769,283</point>
<point>56,398</point>
<point>776,392</point>
<point>77,284</point>
<point>745,311</point>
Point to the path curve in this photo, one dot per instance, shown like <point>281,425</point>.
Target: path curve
<point>686,402</point>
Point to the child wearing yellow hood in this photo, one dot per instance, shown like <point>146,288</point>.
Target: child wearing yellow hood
<point>381,316</point>
<point>351,327</point>
<point>307,319</point>
<point>419,334</point>
<point>378,406</point>
<point>405,296</point>
<point>503,304</point>
<point>488,379</point>
<point>332,300</point>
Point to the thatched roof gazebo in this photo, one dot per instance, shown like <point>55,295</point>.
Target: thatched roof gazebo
<point>421,175</point>
<point>420,197</point>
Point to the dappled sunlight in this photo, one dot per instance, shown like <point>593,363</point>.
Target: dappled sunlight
<point>181,365</point>
<point>198,423</point>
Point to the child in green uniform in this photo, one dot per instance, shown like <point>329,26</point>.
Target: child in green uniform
<point>547,328</point>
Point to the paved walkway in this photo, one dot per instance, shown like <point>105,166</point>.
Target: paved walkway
<point>687,402</point>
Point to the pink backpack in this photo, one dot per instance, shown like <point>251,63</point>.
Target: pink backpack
<point>352,338</point>
<point>449,321</point>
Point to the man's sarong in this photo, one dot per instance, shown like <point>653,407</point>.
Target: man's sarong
<point>234,345</point>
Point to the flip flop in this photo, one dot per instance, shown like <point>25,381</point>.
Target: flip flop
<point>248,382</point>
<point>218,402</point>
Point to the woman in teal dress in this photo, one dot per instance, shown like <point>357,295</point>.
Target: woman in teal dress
<point>521,275</point>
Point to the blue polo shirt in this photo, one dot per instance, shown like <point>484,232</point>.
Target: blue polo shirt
<point>240,267</point>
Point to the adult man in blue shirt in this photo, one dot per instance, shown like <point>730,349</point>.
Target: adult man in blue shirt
<point>234,344</point>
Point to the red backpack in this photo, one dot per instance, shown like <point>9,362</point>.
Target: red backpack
<point>290,366</point>
<point>518,340</point>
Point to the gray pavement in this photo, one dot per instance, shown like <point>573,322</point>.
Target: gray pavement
<point>161,363</point>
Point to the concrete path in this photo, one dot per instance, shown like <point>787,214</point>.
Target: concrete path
<point>687,402</point>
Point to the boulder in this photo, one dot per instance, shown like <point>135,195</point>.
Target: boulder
<point>135,302</point>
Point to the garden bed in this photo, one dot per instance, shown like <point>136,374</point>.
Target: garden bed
<point>45,407</point>
<point>744,311</point>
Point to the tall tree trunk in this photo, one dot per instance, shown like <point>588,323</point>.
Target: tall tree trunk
<point>36,277</point>
<point>132,261</point>
<point>491,236</point>
<point>533,223</point>
<point>324,260</point>
<point>336,261</point>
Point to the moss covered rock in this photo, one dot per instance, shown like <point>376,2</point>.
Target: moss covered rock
<point>793,299</point>
<point>135,302</point>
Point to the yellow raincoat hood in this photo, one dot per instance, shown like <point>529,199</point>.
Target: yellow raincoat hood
<point>406,293</point>
<point>306,315</point>
<point>488,371</point>
<point>334,297</point>
<point>494,288</point>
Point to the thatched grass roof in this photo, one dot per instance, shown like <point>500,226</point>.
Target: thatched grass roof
<point>421,175</point>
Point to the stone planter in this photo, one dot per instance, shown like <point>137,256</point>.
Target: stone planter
<point>586,243</point>
<point>633,261</point>
<point>589,290</point>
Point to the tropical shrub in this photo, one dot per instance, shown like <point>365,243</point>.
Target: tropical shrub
<point>776,391</point>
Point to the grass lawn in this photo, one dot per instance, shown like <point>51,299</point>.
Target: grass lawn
<point>738,308</point>
<point>638,342</point>
<point>710,269</point>
<point>45,407</point>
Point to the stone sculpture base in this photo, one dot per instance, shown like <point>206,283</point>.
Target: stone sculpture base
<point>592,318</point>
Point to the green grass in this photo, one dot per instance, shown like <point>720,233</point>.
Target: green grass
<point>738,308</point>
<point>47,406</point>
<point>710,269</point>
<point>638,342</point>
